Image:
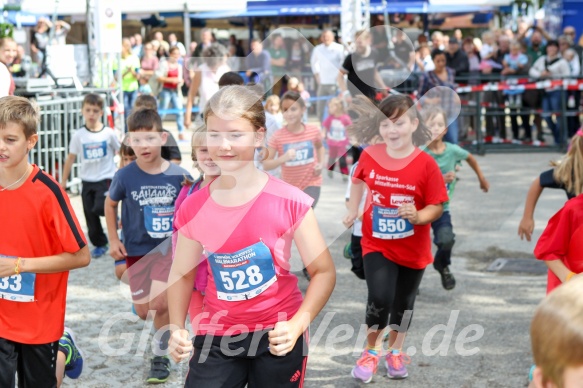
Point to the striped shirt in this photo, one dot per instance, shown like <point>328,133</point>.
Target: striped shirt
<point>299,172</point>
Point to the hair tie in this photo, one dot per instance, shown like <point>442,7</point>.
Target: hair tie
<point>580,132</point>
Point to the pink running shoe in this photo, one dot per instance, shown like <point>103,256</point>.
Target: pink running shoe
<point>366,366</point>
<point>395,362</point>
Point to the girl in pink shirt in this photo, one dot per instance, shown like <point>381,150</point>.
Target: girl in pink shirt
<point>336,136</point>
<point>208,171</point>
<point>244,223</point>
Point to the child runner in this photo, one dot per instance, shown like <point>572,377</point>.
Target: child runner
<point>299,148</point>
<point>69,358</point>
<point>406,193</point>
<point>95,145</point>
<point>231,78</point>
<point>127,155</point>
<point>255,304</point>
<point>273,106</point>
<point>335,131</point>
<point>567,175</point>
<point>556,334</point>
<point>561,244</point>
<point>148,189</point>
<point>170,150</point>
<point>447,156</point>
<point>208,172</point>
<point>45,242</point>
<point>353,250</point>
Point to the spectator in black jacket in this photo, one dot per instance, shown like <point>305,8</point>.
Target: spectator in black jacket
<point>457,59</point>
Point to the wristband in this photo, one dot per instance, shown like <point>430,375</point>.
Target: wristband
<point>17,266</point>
<point>569,276</point>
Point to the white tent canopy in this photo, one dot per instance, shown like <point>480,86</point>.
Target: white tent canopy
<point>77,7</point>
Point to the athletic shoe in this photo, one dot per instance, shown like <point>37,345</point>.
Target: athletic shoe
<point>366,367</point>
<point>447,279</point>
<point>99,251</point>
<point>74,362</point>
<point>395,362</point>
<point>159,370</point>
<point>348,250</point>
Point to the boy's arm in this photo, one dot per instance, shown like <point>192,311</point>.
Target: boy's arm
<point>67,169</point>
<point>117,250</point>
<point>47,264</point>
<point>192,92</point>
<point>356,193</point>
<point>484,185</point>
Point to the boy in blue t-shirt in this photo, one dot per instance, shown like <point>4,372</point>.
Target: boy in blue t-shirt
<point>95,145</point>
<point>447,156</point>
<point>148,189</point>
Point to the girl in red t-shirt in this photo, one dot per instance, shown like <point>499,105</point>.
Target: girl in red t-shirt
<point>405,193</point>
<point>245,221</point>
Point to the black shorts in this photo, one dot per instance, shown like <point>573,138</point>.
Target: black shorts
<point>246,362</point>
<point>35,364</point>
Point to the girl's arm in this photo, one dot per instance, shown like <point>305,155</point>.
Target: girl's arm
<point>526,226</point>
<point>180,281</point>
<point>270,163</point>
<point>559,269</point>
<point>424,216</point>
<point>318,261</point>
<point>321,160</point>
<point>47,264</point>
<point>484,185</point>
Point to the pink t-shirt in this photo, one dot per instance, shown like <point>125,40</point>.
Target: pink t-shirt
<point>248,247</point>
<point>336,134</point>
<point>200,281</point>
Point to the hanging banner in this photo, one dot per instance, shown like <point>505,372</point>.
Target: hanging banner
<point>108,26</point>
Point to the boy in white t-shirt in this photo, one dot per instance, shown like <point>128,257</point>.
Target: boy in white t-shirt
<point>96,146</point>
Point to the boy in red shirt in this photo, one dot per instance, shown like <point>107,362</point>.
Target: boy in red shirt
<point>45,242</point>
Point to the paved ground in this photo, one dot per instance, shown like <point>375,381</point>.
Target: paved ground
<point>473,336</point>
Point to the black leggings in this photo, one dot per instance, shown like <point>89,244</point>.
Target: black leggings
<point>392,289</point>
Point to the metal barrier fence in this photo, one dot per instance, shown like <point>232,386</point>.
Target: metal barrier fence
<point>60,117</point>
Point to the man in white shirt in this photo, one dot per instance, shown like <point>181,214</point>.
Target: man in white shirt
<point>173,41</point>
<point>326,61</point>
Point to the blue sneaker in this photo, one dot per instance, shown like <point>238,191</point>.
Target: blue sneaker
<point>99,251</point>
<point>74,363</point>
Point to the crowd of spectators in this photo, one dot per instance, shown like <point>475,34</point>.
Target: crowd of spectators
<point>320,66</point>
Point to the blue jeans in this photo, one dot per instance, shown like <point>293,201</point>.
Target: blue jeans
<point>129,98</point>
<point>444,238</point>
<point>552,103</point>
<point>167,96</point>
